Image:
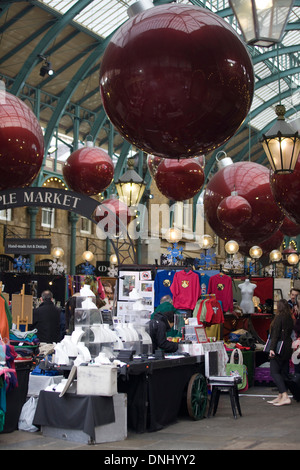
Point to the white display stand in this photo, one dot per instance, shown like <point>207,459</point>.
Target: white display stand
<point>199,349</point>
<point>41,382</point>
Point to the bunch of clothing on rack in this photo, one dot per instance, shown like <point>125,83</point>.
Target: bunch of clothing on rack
<point>8,377</point>
<point>186,287</point>
<point>208,310</point>
<point>25,343</point>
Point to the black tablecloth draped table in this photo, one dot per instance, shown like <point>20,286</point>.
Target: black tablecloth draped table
<point>155,391</point>
<point>80,412</point>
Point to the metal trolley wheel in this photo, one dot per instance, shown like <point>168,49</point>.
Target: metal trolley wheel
<point>197,396</point>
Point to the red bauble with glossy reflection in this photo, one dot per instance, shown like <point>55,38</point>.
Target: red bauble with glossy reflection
<point>233,211</point>
<point>289,228</point>
<point>153,162</point>
<point>179,179</point>
<point>176,81</point>
<point>21,143</point>
<point>286,191</point>
<point>113,216</point>
<point>272,243</point>
<point>88,170</point>
<point>251,181</point>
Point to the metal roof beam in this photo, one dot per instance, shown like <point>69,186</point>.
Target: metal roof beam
<point>24,43</point>
<point>70,89</point>
<point>16,18</point>
<point>49,37</point>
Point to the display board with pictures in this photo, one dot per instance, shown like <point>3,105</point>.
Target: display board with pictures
<point>141,282</point>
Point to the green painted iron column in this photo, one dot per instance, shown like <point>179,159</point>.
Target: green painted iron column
<point>32,211</point>
<point>73,220</point>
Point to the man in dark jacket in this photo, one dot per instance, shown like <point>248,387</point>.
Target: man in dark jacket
<point>158,327</point>
<point>46,319</point>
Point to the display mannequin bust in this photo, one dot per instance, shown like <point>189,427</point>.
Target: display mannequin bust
<point>247,288</point>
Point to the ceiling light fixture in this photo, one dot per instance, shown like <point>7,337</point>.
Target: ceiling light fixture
<point>46,69</point>
<point>281,144</point>
<point>262,22</point>
<point>46,66</point>
<point>130,186</point>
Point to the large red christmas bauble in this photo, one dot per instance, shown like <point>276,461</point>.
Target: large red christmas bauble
<point>289,228</point>
<point>272,243</point>
<point>233,211</point>
<point>21,143</point>
<point>286,191</point>
<point>252,182</point>
<point>88,170</point>
<point>179,179</point>
<point>176,81</point>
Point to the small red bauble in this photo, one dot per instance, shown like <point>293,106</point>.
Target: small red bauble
<point>176,81</point>
<point>252,182</point>
<point>179,179</point>
<point>21,143</point>
<point>113,216</point>
<point>233,211</point>
<point>286,191</point>
<point>88,170</point>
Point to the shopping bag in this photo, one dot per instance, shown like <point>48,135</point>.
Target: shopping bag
<point>238,369</point>
<point>241,370</point>
<point>27,415</point>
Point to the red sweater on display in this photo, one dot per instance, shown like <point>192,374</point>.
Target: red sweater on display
<point>186,289</point>
<point>221,286</point>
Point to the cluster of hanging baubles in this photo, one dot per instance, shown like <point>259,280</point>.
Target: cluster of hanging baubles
<point>178,92</point>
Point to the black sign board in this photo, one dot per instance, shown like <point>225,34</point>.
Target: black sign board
<point>102,268</point>
<point>48,197</point>
<point>27,246</point>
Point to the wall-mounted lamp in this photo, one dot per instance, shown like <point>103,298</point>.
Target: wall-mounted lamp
<point>113,259</point>
<point>173,235</point>
<point>293,258</point>
<point>231,247</point>
<point>255,252</point>
<point>206,242</point>
<point>57,252</point>
<point>275,256</point>
<point>87,256</point>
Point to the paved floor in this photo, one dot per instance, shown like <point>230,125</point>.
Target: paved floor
<point>262,427</point>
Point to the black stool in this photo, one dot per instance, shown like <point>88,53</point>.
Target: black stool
<point>227,385</point>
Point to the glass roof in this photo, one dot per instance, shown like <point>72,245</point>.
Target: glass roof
<point>104,16</point>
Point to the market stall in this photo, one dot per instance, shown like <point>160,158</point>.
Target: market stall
<point>108,355</point>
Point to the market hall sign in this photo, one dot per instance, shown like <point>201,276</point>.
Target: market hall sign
<point>28,245</point>
<point>49,197</point>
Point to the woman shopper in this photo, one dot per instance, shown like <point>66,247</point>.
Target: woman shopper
<point>280,330</point>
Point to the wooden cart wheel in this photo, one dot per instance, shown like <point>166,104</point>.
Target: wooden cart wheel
<point>197,396</point>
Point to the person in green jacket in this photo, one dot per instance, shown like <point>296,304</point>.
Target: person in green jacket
<point>166,305</point>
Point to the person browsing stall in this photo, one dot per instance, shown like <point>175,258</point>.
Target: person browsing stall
<point>293,296</point>
<point>46,319</point>
<point>158,327</point>
<point>280,330</point>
